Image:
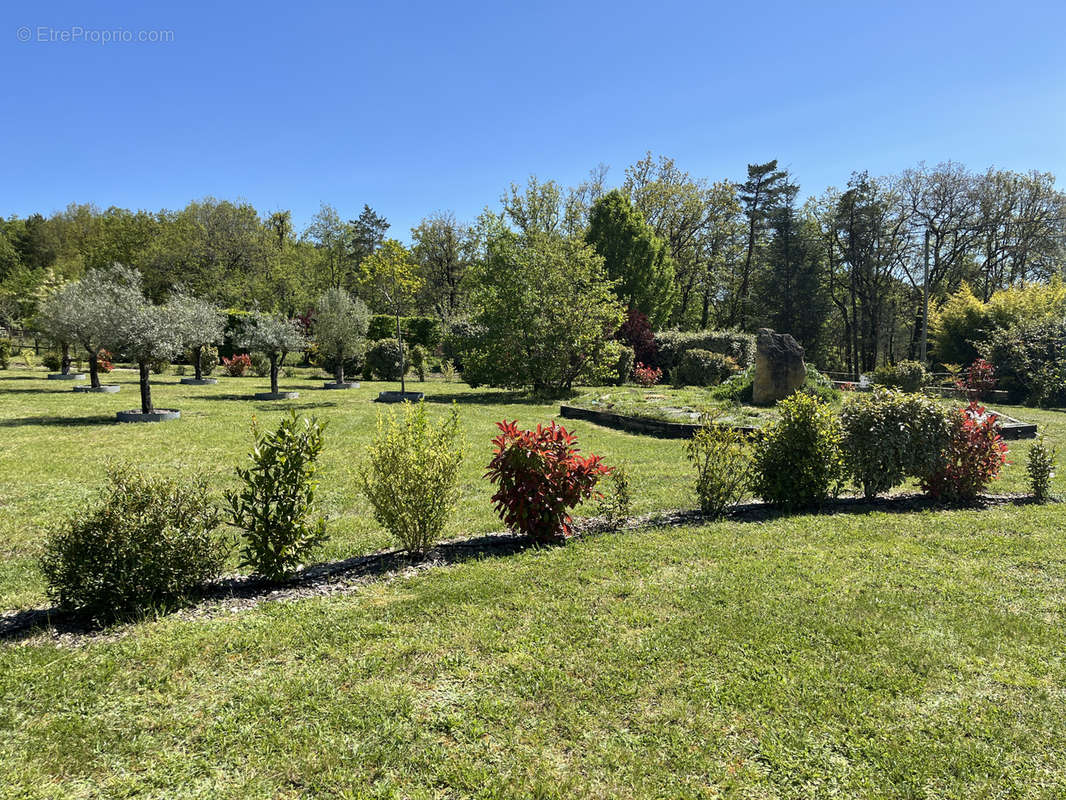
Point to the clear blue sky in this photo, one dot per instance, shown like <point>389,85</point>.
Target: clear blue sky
<point>415,107</point>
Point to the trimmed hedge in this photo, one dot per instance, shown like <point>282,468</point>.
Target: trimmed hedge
<point>672,345</point>
<point>700,367</point>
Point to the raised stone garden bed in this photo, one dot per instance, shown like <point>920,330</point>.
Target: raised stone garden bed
<point>345,385</point>
<point>198,381</point>
<point>70,376</point>
<point>276,395</point>
<point>1011,428</point>
<point>640,425</point>
<point>107,388</point>
<point>400,397</point>
<point>159,415</point>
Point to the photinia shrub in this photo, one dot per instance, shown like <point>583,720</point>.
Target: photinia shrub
<point>980,380</point>
<point>647,376</point>
<point>238,366</point>
<point>104,362</point>
<point>539,475</point>
<point>972,459</point>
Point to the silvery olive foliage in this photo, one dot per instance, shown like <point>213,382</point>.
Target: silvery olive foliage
<point>341,322</point>
<point>272,335</point>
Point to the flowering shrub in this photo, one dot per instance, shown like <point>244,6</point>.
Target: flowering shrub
<point>647,376</point>
<point>103,361</point>
<point>238,366</point>
<point>972,459</point>
<point>980,380</point>
<point>540,475</point>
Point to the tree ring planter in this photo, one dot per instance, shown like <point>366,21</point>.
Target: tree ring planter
<point>642,425</point>
<point>70,376</point>
<point>107,388</point>
<point>276,396</point>
<point>345,385</point>
<point>198,381</point>
<point>400,397</point>
<point>159,415</point>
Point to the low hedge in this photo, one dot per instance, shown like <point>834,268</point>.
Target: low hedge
<point>672,345</point>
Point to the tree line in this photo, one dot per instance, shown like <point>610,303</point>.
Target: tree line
<point>847,272</point>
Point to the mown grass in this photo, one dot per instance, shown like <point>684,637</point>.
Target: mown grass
<point>854,655</point>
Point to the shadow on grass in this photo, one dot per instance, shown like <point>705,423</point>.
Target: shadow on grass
<point>333,577</point>
<point>58,422</point>
<point>41,377</point>
<point>488,398</point>
<point>43,390</point>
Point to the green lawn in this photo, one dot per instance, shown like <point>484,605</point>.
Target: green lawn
<point>853,655</point>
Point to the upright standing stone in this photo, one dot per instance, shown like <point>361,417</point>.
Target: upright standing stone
<point>779,367</point>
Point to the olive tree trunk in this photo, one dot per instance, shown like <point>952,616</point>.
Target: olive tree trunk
<point>338,373</point>
<point>64,364</point>
<point>94,371</point>
<point>274,373</point>
<point>399,339</point>
<point>146,388</point>
<point>196,351</point>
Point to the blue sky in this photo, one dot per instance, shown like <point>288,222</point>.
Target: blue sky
<point>415,107</point>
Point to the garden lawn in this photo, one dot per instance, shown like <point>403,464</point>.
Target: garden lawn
<point>878,654</point>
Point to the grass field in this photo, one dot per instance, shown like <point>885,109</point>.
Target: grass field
<point>842,655</point>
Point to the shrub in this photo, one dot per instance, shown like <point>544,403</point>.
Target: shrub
<point>979,381</point>
<point>614,504</point>
<point>890,436</point>
<point>722,460</point>
<point>353,365</point>
<point>105,361</point>
<point>238,366</point>
<point>910,376</point>
<point>611,367</point>
<point>820,386</point>
<point>737,389</point>
<point>797,462</point>
<point>274,506</point>
<point>418,357</point>
<point>29,358</point>
<point>5,353</point>
<point>972,459</point>
<point>260,364</point>
<point>159,366</point>
<point>208,359</point>
<point>647,376</point>
<point>1040,467</point>
<point>143,543</point>
<point>411,476</point>
<point>637,333</point>
<point>539,475</point>
<point>447,370</point>
<point>703,368</point>
<point>52,361</point>
<point>383,360</point>
<point>623,365</point>
<point>673,344</point>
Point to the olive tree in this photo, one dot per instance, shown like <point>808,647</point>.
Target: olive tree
<point>146,333</point>
<point>88,312</point>
<point>273,336</point>
<point>202,325</point>
<point>53,321</point>
<point>340,328</point>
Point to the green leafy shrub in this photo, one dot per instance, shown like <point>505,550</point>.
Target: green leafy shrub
<point>890,436</point>
<point>52,361</point>
<point>1030,361</point>
<point>703,368</point>
<point>145,543</point>
<point>412,474</point>
<point>909,376</point>
<point>159,366</point>
<point>722,459</point>
<point>383,360</point>
<point>5,353</point>
<point>615,502</point>
<point>208,359</point>
<point>736,389</point>
<point>260,364</point>
<point>797,463</point>
<point>1040,468</point>
<point>820,386</point>
<point>972,459</point>
<point>447,370</point>
<point>274,506</point>
<point>419,356</point>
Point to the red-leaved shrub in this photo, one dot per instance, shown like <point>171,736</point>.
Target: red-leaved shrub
<point>539,475</point>
<point>637,333</point>
<point>647,376</point>
<point>980,380</point>
<point>238,366</point>
<point>103,361</point>
<point>973,457</point>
